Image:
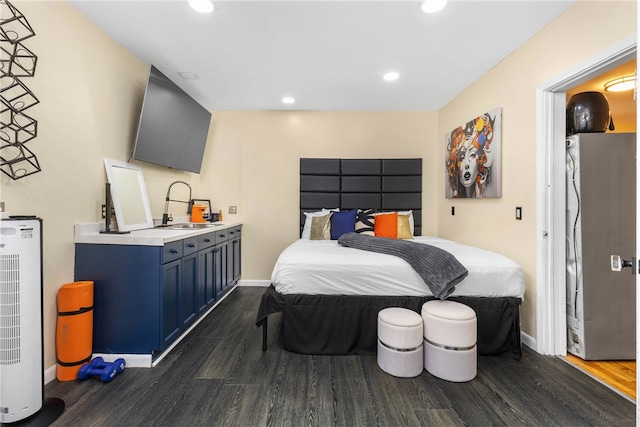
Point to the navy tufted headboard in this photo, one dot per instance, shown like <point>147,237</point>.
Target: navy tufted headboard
<point>380,184</point>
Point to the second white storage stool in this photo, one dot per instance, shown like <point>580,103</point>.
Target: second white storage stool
<point>400,342</point>
<point>450,334</point>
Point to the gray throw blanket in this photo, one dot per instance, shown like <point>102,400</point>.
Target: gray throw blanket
<point>440,270</point>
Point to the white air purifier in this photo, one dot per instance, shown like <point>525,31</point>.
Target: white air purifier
<point>21,353</point>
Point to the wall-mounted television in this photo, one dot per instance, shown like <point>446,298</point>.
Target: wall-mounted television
<point>173,126</point>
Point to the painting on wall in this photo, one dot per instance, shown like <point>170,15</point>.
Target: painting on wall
<point>473,158</point>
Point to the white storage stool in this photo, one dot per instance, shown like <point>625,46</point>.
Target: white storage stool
<point>400,342</point>
<point>450,335</point>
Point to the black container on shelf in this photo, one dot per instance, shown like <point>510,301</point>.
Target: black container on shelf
<point>588,112</point>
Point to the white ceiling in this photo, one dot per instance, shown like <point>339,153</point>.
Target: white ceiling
<point>328,55</point>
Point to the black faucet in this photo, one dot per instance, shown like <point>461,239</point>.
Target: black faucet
<point>166,217</point>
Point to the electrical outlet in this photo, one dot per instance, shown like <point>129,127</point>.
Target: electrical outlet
<point>1,206</point>
<point>233,209</point>
<point>104,211</point>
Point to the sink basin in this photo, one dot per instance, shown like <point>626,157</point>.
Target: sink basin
<point>192,226</point>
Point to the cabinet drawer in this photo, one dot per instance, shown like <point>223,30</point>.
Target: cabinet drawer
<point>206,240</point>
<point>232,233</point>
<point>238,231</point>
<point>172,251</point>
<point>190,245</point>
<point>222,236</point>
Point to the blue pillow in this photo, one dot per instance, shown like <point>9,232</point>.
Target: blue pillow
<point>343,222</point>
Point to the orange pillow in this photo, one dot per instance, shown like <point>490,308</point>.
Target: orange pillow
<point>386,225</point>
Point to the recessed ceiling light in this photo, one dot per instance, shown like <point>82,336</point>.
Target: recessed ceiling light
<point>288,100</point>
<point>187,75</point>
<point>391,76</point>
<point>431,6</point>
<point>202,6</point>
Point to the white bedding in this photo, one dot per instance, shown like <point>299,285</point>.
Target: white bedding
<point>322,267</point>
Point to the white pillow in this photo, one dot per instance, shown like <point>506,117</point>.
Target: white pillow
<point>306,230</point>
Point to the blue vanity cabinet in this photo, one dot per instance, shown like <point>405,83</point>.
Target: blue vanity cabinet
<point>146,296</point>
<point>130,283</point>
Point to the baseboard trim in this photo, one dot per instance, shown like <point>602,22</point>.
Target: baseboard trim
<point>131,360</point>
<point>263,283</point>
<point>529,341</point>
<point>50,374</point>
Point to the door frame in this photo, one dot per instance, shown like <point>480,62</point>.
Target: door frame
<point>550,194</point>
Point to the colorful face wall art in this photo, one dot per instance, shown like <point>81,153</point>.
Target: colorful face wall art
<point>473,158</point>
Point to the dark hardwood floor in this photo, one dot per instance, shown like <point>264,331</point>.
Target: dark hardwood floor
<point>219,376</point>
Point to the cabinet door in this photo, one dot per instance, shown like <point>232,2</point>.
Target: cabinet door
<point>210,283</point>
<point>206,291</point>
<point>188,301</point>
<point>236,250</point>
<point>230,246</point>
<point>171,278</point>
<point>221,267</point>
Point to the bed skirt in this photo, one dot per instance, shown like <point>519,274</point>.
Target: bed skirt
<point>346,324</point>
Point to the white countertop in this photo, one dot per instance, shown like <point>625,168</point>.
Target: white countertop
<point>90,233</point>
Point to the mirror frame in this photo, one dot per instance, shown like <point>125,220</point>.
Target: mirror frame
<point>116,193</point>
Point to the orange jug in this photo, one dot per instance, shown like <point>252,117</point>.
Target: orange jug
<point>197,212</point>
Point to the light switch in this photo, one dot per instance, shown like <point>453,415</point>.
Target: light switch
<point>518,213</point>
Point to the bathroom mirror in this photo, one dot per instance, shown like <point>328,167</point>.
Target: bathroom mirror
<point>129,195</point>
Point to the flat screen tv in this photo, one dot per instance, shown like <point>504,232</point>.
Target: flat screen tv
<point>173,126</point>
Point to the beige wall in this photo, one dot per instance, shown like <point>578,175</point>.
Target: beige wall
<point>90,91</point>
<point>582,32</point>
<point>266,148</point>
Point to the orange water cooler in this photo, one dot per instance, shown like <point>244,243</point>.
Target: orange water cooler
<point>74,329</point>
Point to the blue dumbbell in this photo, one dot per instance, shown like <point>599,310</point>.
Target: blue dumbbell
<point>98,367</point>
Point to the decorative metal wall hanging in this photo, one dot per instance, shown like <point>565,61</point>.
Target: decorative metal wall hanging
<point>16,127</point>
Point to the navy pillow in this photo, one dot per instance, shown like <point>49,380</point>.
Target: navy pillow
<point>343,222</point>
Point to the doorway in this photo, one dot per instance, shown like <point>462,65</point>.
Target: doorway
<point>607,354</point>
<point>551,194</point>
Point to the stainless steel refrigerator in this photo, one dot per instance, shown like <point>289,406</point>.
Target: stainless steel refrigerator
<point>601,303</point>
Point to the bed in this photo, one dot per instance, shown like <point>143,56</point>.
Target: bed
<point>329,295</point>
